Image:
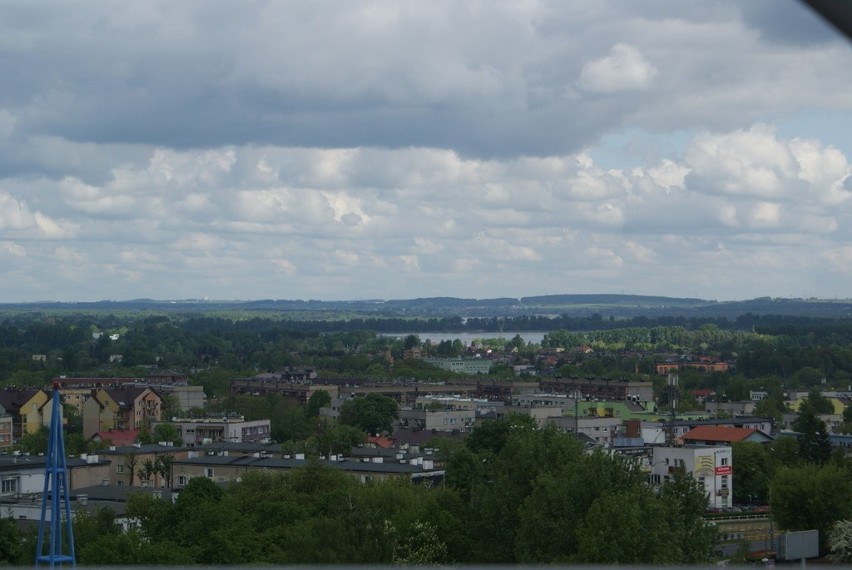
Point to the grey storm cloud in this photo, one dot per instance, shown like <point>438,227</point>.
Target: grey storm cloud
<point>482,78</point>
<point>332,149</point>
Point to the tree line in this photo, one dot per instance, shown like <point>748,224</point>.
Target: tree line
<point>513,494</point>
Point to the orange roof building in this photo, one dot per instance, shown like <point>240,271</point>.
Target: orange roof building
<point>720,435</point>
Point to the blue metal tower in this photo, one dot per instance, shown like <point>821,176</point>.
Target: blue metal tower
<point>56,490</point>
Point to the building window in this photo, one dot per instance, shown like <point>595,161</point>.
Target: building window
<point>119,468</point>
<point>724,481</point>
<point>209,472</point>
<point>724,461</point>
<point>181,480</point>
<point>9,485</point>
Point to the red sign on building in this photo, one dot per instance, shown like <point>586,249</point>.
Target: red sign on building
<point>724,470</point>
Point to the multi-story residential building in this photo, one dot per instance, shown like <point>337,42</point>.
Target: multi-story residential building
<point>601,430</point>
<point>23,474</point>
<point>563,401</point>
<point>443,401</point>
<point>224,468</point>
<point>87,383</point>
<point>462,365</point>
<point>744,408</point>
<point>437,419</point>
<point>664,368</point>
<point>34,412</point>
<point>6,429</point>
<point>657,432</point>
<point>133,465</point>
<point>541,414</point>
<point>100,413</point>
<point>197,431</point>
<point>711,466</point>
<point>11,400</point>
<point>295,384</point>
<point>600,388</point>
<point>186,397</point>
<point>121,409</point>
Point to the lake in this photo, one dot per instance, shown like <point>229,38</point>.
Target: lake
<point>467,337</point>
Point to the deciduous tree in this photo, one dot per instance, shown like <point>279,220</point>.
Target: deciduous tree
<point>811,497</point>
<point>373,413</point>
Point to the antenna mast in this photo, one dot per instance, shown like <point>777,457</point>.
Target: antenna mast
<point>671,388</point>
<point>56,489</point>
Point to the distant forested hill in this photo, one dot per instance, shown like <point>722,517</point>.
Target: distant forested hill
<point>615,306</point>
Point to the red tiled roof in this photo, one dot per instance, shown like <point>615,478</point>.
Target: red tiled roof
<point>717,433</point>
<point>382,442</point>
<point>118,437</point>
<point>702,392</point>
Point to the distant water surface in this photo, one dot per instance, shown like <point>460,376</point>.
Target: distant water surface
<point>467,337</point>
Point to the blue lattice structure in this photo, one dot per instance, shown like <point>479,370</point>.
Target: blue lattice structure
<point>59,552</point>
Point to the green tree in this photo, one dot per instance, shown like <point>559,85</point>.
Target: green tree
<point>465,470</point>
<point>319,399</point>
<point>35,443</point>
<point>818,403</point>
<point>813,437</point>
<point>510,477</point>
<point>490,436</point>
<point>686,502</point>
<point>131,461</point>
<point>808,376</point>
<point>216,381</point>
<point>148,470</point>
<point>811,497</point>
<point>338,438</point>
<point>753,473</point>
<point>846,427</point>
<point>840,542</point>
<point>89,529</point>
<point>164,466</point>
<point>785,451</point>
<point>12,551</point>
<point>157,518</point>
<point>171,405</point>
<point>560,339</point>
<point>411,341</point>
<point>420,545</point>
<point>167,432</point>
<point>627,527</point>
<point>772,406</point>
<point>373,413</point>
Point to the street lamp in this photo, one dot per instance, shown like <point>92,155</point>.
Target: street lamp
<point>771,546</point>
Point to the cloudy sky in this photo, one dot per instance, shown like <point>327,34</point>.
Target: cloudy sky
<point>333,150</point>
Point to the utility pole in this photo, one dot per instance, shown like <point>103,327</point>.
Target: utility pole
<point>671,387</point>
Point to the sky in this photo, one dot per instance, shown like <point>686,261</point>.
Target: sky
<point>395,149</point>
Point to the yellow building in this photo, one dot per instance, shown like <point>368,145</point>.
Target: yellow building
<point>120,409</point>
<point>100,413</point>
<point>35,412</point>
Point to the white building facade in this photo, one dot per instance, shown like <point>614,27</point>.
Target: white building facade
<point>711,466</point>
